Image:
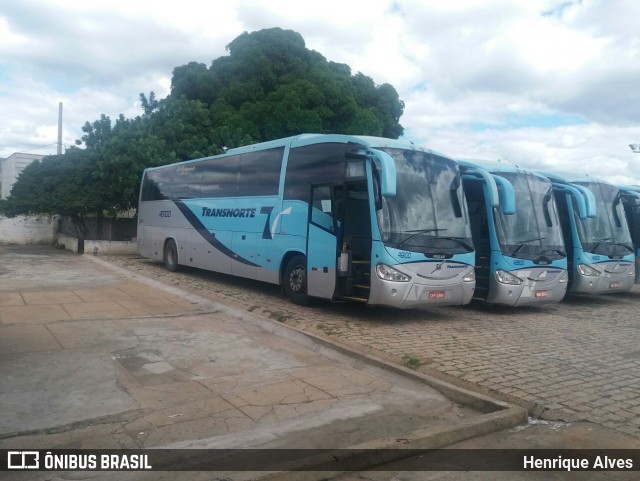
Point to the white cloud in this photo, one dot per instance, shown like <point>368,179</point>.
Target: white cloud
<point>541,82</point>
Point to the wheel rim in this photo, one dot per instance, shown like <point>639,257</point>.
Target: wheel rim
<point>296,280</point>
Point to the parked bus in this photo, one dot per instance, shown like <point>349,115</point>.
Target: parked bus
<point>520,254</point>
<point>596,234</point>
<point>631,203</point>
<point>338,217</point>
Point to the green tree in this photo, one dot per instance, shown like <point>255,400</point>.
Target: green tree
<point>271,86</point>
<point>268,86</point>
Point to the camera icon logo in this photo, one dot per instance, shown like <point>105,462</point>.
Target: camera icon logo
<point>23,460</point>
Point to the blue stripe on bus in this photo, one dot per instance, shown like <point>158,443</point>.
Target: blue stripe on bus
<point>208,236</point>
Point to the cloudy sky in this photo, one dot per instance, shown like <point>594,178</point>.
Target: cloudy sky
<point>542,83</point>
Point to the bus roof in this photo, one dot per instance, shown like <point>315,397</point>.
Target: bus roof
<point>570,178</point>
<point>495,167</point>
<point>308,139</point>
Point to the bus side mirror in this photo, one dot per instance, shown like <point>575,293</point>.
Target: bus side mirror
<point>387,173</point>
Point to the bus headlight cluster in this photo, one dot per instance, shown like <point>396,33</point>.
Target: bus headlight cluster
<point>470,277</point>
<point>388,273</point>
<point>588,271</point>
<point>507,278</point>
<point>564,277</point>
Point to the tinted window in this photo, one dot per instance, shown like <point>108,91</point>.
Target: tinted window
<point>317,164</point>
<point>219,176</point>
<point>156,185</point>
<point>260,172</point>
<point>186,182</point>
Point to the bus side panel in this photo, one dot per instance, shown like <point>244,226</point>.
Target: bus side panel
<point>160,220</point>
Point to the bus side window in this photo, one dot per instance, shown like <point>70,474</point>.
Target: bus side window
<point>219,176</point>
<point>322,208</point>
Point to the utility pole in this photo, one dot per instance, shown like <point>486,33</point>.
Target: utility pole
<point>59,128</point>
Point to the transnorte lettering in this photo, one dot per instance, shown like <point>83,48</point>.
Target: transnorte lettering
<point>228,212</point>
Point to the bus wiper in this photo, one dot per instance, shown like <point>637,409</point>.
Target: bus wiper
<point>600,241</point>
<point>551,249</point>
<point>522,244</point>
<point>622,244</point>
<point>416,232</point>
<point>460,240</point>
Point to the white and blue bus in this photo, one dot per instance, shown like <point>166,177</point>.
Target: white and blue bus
<point>520,253</point>
<point>631,202</point>
<point>338,217</point>
<point>596,234</point>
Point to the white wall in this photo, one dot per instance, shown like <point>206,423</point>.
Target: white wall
<point>28,230</point>
<point>12,166</point>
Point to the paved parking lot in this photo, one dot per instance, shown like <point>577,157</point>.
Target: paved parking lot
<point>92,355</point>
<point>577,360</point>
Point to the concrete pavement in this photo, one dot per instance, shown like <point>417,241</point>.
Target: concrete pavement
<point>574,361</point>
<point>96,357</point>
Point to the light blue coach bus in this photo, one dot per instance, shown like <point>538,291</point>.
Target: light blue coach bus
<point>631,202</point>
<point>596,234</point>
<point>338,217</point>
<point>520,253</point>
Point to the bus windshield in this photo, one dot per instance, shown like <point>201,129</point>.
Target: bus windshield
<point>607,233</point>
<point>534,229</point>
<point>428,213</point>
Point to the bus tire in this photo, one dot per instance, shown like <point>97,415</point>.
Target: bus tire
<point>171,256</point>
<point>295,280</point>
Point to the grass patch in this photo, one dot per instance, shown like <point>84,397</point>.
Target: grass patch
<point>328,330</point>
<point>411,362</point>
<point>279,316</point>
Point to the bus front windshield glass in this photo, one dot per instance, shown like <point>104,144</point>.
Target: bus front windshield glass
<point>534,229</point>
<point>608,232</point>
<point>428,213</point>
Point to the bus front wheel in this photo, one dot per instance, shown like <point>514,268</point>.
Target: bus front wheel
<point>295,280</point>
<point>171,256</point>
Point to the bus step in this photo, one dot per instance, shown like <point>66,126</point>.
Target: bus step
<point>357,299</point>
<point>361,262</point>
<point>362,286</point>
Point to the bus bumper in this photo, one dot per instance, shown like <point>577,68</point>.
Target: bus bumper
<point>419,293</point>
<point>605,283</point>
<point>526,294</point>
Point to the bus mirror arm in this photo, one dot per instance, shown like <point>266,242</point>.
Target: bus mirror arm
<point>387,172</point>
<point>578,195</point>
<point>507,195</point>
<point>480,174</point>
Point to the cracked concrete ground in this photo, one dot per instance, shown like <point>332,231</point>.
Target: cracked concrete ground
<point>91,358</point>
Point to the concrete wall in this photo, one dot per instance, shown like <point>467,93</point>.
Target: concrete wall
<point>12,166</point>
<point>68,242</point>
<point>28,230</point>
<point>97,247</point>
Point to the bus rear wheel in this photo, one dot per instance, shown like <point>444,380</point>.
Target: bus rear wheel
<point>171,256</point>
<point>295,280</point>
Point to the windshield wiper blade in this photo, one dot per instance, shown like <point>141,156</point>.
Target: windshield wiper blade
<point>416,232</point>
<point>523,243</point>
<point>622,244</point>
<point>460,240</point>
<point>551,249</point>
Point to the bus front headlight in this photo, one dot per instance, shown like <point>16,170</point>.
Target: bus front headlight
<point>507,278</point>
<point>470,277</point>
<point>388,273</point>
<point>588,271</point>
<point>564,277</point>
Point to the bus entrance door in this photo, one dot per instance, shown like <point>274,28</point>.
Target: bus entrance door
<point>322,243</point>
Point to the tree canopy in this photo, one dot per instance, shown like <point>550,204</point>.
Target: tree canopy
<point>269,86</point>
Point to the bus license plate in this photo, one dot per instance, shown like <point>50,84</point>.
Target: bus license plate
<point>436,294</point>
<point>542,293</point>
<point>614,285</point>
